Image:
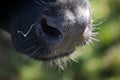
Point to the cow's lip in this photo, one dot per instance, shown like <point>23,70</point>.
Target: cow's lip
<point>53,56</point>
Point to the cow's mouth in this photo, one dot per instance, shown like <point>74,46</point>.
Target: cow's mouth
<point>53,56</point>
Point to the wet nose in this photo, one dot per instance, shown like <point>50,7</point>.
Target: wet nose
<point>50,31</point>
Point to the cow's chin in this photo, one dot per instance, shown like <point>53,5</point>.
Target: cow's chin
<point>57,60</point>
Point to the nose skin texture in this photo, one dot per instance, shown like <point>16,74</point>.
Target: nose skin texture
<point>51,29</point>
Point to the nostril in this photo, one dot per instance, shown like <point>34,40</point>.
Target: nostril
<point>48,30</point>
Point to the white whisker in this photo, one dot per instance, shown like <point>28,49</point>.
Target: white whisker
<point>37,2</point>
<point>94,39</point>
<point>29,49</point>
<point>35,52</point>
<point>100,23</point>
<point>26,34</point>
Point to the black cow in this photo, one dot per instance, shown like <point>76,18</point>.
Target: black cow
<point>47,29</point>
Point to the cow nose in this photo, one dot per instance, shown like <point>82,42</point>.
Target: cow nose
<point>50,31</point>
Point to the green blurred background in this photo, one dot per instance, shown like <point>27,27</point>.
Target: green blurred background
<point>100,61</point>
